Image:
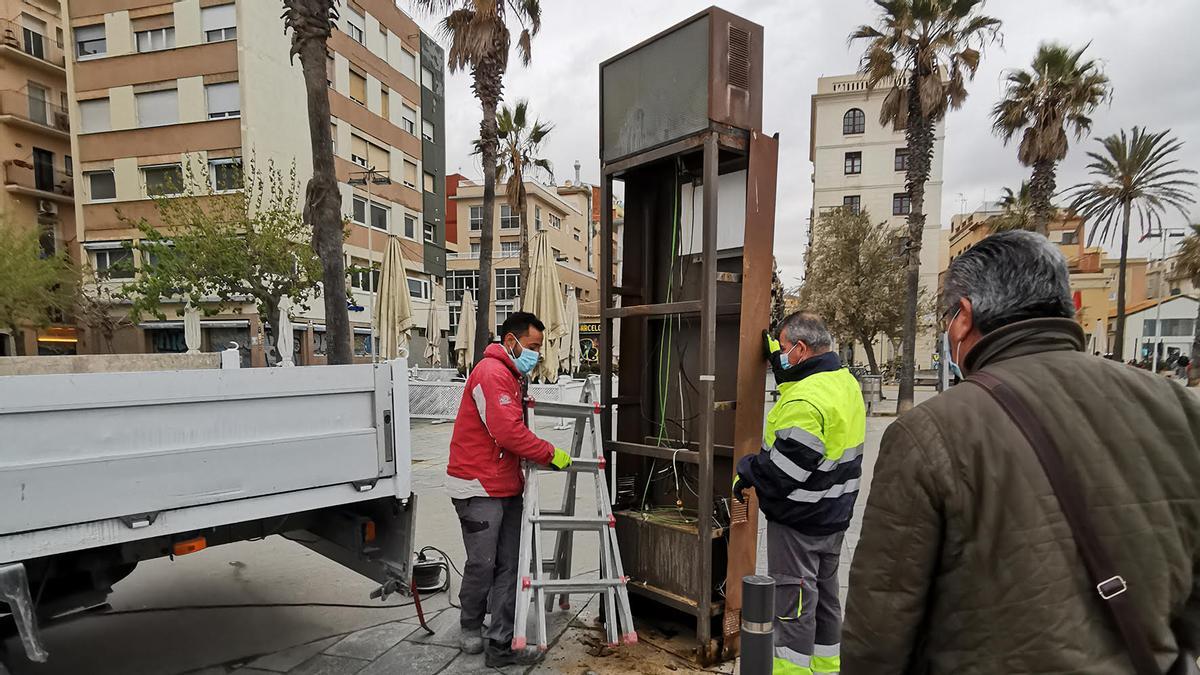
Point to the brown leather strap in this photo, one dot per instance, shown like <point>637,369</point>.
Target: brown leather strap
<point>1111,588</point>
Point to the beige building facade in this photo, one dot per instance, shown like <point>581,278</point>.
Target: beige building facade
<point>565,213</point>
<point>35,146</point>
<point>860,164</point>
<point>156,86</point>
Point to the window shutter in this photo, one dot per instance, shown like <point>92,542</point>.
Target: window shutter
<point>156,108</point>
<point>377,157</point>
<point>93,115</point>
<point>408,64</point>
<point>358,87</point>
<point>93,32</point>
<point>358,147</point>
<point>221,16</point>
<point>223,98</point>
<point>410,174</point>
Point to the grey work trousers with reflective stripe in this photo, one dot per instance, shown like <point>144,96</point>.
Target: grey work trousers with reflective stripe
<point>491,529</point>
<point>808,609</point>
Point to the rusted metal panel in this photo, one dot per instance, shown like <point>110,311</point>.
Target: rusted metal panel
<point>751,397</point>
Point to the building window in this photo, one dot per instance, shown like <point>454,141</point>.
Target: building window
<point>508,219</point>
<point>410,226</point>
<point>408,119</point>
<point>852,202</point>
<point>427,130</point>
<point>430,233</point>
<point>410,174</point>
<point>163,180</point>
<point>901,161</point>
<point>475,248</point>
<point>380,216</point>
<point>418,288</point>
<point>556,254</point>
<point>364,277</point>
<point>224,100</point>
<point>102,185</point>
<point>330,70</point>
<point>555,222</point>
<point>358,210</point>
<point>219,23</point>
<point>155,40</point>
<point>225,174</point>
<point>408,64</point>
<point>503,311</point>
<point>385,102</point>
<point>359,150</point>
<point>475,219</point>
<point>114,263</point>
<point>1070,237</point>
<point>90,41</point>
<point>355,24</point>
<point>537,218</point>
<point>157,108</point>
<point>430,183</point>
<point>510,249</point>
<point>854,122</point>
<point>460,281</point>
<point>1178,327</point>
<point>358,87</point>
<point>93,116</point>
<point>68,165</point>
<point>508,283</point>
<point>426,78</point>
<point>33,34</point>
<point>901,204</point>
<point>853,163</point>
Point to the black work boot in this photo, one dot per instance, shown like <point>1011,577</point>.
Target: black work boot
<point>500,654</point>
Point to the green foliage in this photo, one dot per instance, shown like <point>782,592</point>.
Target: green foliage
<point>1018,210</point>
<point>855,279</point>
<point>221,248</point>
<point>1189,255</point>
<point>34,287</point>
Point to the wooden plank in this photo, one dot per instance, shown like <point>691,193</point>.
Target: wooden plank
<point>653,451</point>
<point>756,312</point>
<point>658,309</point>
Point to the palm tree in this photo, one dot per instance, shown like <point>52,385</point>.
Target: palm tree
<point>1189,264</point>
<point>1136,170</point>
<point>311,22</point>
<point>924,51</point>
<point>479,41</point>
<point>1060,90</point>
<point>520,145</point>
<point>1017,210</point>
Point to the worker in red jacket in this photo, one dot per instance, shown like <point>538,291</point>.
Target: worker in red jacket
<point>484,480</point>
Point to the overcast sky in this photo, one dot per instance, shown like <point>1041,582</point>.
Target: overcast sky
<point>1147,48</point>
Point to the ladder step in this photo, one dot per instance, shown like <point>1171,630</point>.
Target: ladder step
<point>552,523</point>
<point>557,409</point>
<point>572,585</point>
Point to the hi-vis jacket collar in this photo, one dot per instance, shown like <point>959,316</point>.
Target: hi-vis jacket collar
<point>821,363</point>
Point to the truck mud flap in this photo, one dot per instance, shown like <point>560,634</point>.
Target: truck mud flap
<point>14,590</point>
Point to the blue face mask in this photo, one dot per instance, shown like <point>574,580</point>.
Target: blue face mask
<point>954,367</point>
<point>526,361</point>
<point>784,363</point>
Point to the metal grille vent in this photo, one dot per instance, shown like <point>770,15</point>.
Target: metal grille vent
<point>739,58</point>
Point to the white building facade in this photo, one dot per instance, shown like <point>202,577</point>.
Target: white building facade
<point>861,164</point>
<point>1170,324</point>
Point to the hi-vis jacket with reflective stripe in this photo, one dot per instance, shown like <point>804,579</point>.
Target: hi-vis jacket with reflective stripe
<point>807,474</point>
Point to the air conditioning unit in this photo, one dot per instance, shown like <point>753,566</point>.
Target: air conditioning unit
<point>47,207</point>
<point>62,121</point>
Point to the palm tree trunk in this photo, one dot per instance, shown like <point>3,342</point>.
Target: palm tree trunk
<point>322,201</point>
<point>1041,191</point>
<point>522,204</point>
<point>1193,376</point>
<point>1119,348</point>
<point>488,144</point>
<point>920,144</point>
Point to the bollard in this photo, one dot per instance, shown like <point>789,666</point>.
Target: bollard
<point>758,615</point>
<point>231,357</point>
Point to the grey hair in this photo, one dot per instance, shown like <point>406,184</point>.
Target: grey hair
<point>808,328</point>
<point>1009,277</point>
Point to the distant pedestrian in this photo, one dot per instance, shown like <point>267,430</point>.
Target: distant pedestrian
<point>967,564</point>
<point>806,479</point>
<point>1181,368</point>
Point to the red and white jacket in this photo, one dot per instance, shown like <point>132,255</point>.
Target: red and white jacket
<point>490,437</point>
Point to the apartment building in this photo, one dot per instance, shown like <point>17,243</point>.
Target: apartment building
<point>35,145</point>
<point>156,85</point>
<point>566,213</point>
<point>860,164</point>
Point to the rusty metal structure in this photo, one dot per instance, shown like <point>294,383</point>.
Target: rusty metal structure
<point>683,310</point>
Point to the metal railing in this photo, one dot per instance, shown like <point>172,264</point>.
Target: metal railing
<point>21,104</point>
<point>32,43</point>
<point>47,179</point>
<point>496,255</point>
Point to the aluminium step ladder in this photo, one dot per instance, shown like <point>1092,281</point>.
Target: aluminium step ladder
<point>543,579</point>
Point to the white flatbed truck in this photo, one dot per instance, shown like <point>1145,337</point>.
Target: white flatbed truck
<point>101,471</point>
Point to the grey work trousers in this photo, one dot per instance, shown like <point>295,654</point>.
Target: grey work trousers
<point>491,529</point>
<point>808,609</point>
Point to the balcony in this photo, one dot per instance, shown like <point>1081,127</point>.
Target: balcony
<point>496,255</point>
<point>42,182</point>
<point>35,113</point>
<point>30,45</point>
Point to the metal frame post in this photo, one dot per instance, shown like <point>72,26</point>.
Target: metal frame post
<point>708,365</point>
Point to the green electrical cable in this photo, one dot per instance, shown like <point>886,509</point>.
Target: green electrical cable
<point>663,373</point>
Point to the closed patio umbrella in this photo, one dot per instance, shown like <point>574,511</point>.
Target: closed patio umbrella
<point>284,339</point>
<point>464,338</point>
<point>544,299</point>
<point>1100,338</point>
<point>191,329</point>
<point>393,305</point>
<point>433,334</point>
<point>569,359</point>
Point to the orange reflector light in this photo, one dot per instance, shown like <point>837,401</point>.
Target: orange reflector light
<point>369,531</point>
<point>190,546</point>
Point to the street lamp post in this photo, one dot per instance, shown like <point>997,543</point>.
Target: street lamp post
<point>366,178</point>
<point>1158,343</point>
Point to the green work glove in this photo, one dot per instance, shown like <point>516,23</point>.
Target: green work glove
<point>560,460</point>
<point>770,345</point>
<point>739,488</point>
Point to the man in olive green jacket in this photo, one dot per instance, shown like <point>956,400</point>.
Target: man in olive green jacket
<point>966,564</point>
